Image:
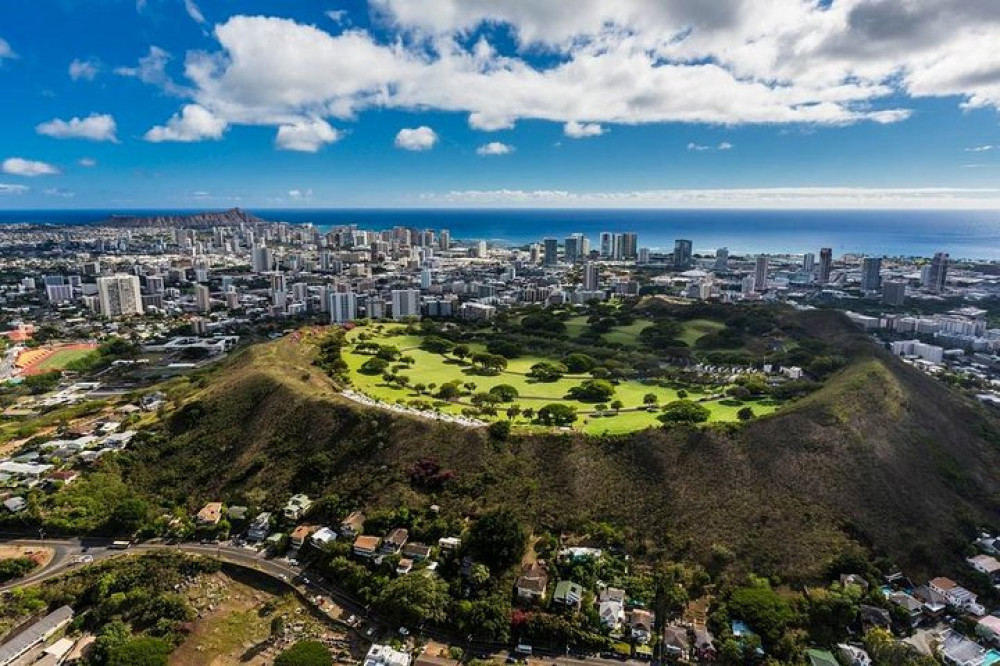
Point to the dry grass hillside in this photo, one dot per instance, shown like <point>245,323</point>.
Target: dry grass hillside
<point>881,454</point>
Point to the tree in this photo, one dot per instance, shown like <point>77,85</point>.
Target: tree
<point>305,653</point>
<point>650,399</point>
<point>766,612</point>
<point>557,414</point>
<point>500,430</point>
<point>578,363</point>
<point>450,390</point>
<point>437,345</point>
<point>601,407</point>
<point>412,600</point>
<point>498,540</point>
<point>745,414</point>
<point>140,651</point>
<point>513,411</point>
<point>388,353</point>
<point>479,574</point>
<point>374,366</point>
<point>505,392</point>
<point>460,351</point>
<point>592,390</point>
<point>617,405</point>
<point>547,371</point>
<point>684,411</point>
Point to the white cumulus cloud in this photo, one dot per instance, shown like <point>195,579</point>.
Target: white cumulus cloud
<point>299,195</point>
<point>416,138</point>
<point>979,149</point>
<point>740,62</point>
<point>10,188</point>
<point>306,136</point>
<point>576,130</point>
<point>495,148</point>
<point>5,49</point>
<point>194,12</point>
<point>193,123</point>
<point>95,127</point>
<point>87,162</point>
<point>84,69</point>
<point>18,166</point>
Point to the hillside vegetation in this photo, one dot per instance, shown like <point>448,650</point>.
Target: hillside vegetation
<point>880,455</point>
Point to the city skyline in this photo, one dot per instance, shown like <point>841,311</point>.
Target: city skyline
<point>164,103</point>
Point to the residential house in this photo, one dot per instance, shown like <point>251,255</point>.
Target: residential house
<point>935,603</point>
<point>957,650</point>
<point>873,616</point>
<point>395,540</point>
<point>957,596</point>
<point>351,526</point>
<point>986,564</point>
<point>260,527</point>
<point>568,593</point>
<point>989,628</point>
<point>532,582</point>
<point>404,567</point>
<point>855,580</point>
<point>821,658</point>
<point>323,536</point>
<point>853,655</point>
<point>913,607</point>
<point>449,544</point>
<point>677,643</point>
<point>640,622</point>
<point>385,655</point>
<point>210,514</point>
<point>297,506</point>
<point>704,645</point>
<point>367,546</point>
<point>611,607</point>
<point>417,552</point>
<point>300,534</point>
<point>15,504</point>
<point>65,476</point>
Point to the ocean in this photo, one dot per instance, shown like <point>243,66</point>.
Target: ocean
<point>897,233</point>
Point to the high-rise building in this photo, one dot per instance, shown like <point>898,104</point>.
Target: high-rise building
<point>607,244</point>
<point>119,295</point>
<point>938,274</point>
<point>629,246</point>
<point>551,251</point>
<point>591,276</point>
<point>405,303</point>
<point>682,254</point>
<point>425,278</point>
<point>760,273</point>
<point>260,258</point>
<point>722,259</point>
<point>203,297</point>
<point>808,262</point>
<point>643,255</point>
<point>444,240</point>
<point>825,264</point>
<point>573,247</point>
<point>871,273</point>
<point>343,307</point>
<point>894,292</point>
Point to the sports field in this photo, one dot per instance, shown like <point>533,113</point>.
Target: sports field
<point>47,359</point>
<point>436,369</point>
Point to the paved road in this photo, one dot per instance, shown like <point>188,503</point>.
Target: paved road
<point>68,551</point>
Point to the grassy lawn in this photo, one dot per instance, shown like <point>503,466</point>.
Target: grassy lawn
<point>697,328</point>
<point>626,335</point>
<point>576,325</point>
<point>63,357</point>
<point>433,368</point>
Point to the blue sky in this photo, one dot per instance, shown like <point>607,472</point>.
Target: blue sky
<point>788,103</point>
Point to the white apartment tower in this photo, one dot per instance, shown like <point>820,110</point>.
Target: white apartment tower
<point>119,295</point>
